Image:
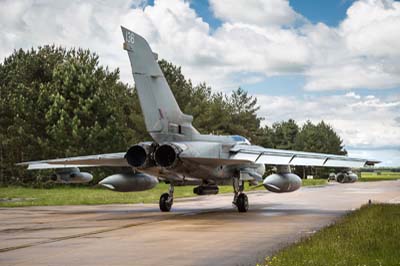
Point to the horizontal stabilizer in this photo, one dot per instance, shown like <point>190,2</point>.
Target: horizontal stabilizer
<point>109,159</point>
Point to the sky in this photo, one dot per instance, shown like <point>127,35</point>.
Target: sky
<point>337,61</point>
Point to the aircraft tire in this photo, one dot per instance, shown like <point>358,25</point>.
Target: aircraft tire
<point>165,205</point>
<point>242,202</point>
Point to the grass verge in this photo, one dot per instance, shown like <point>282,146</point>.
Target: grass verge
<point>66,195</point>
<point>313,182</point>
<point>368,236</point>
<point>379,176</point>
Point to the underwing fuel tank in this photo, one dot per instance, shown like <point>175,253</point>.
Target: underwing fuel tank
<point>71,176</point>
<point>282,182</point>
<point>346,177</point>
<point>129,182</point>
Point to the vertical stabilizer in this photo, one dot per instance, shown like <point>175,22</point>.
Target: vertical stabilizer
<point>163,117</point>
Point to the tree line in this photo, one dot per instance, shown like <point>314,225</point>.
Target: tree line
<point>57,102</point>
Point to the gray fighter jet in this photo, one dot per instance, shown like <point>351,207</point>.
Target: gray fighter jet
<point>180,155</point>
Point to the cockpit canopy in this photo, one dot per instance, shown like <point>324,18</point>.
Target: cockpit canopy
<point>240,140</point>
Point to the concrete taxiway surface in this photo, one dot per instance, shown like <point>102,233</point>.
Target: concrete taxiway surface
<point>199,231</point>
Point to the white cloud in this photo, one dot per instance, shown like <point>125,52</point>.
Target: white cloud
<point>93,25</point>
<point>234,54</point>
<point>388,156</point>
<point>352,95</point>
<point>256,12</point>
<point>362,52</point>
<point>351,74</point>
<point>372,28</point>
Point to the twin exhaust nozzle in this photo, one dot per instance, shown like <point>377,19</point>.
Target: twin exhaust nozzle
<point>145,155</point>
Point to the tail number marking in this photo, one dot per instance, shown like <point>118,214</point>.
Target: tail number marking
<point>130,37</point>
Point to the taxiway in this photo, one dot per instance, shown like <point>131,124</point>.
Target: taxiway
<point>199,231</point>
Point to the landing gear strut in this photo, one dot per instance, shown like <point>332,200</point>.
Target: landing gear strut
<point>240,199</point>
<point>167,199</point>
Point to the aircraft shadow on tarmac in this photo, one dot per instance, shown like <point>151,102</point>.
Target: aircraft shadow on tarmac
<point>260,210</point>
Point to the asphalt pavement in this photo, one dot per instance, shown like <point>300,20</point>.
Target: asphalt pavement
<point>199,231</point>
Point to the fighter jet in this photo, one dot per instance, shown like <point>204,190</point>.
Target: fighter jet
<point>180,155</point>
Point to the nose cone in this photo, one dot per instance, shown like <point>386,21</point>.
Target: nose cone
<point>273,183</point>
<point>87,177</point>
<point>109,182</point>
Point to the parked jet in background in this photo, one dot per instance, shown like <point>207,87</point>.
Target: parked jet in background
<point>180,155</point>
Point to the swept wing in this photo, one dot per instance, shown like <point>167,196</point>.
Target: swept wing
<point>260,155</point>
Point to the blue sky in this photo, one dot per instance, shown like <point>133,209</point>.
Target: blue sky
<point>330,12</point>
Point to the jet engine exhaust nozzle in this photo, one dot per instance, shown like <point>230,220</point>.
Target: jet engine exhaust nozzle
<point>167,155</point>
<point>138,156</point>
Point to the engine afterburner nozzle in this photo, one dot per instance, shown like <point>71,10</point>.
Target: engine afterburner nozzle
<point>167,155</point>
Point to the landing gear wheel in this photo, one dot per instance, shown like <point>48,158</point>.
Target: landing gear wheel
<point>240,199</point>
<point>242,202</point>
<point>166,202</point>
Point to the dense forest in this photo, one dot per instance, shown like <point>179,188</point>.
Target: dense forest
<point>56,102</point>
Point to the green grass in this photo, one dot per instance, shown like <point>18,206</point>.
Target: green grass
<point>313,182</point>
<point>379,176</point>
<point>368,236</point>
<point>66,195</point>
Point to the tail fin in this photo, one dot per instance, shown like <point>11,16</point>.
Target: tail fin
<point>163,117</point>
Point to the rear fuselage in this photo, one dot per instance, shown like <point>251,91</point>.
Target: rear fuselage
<point>207,158</point>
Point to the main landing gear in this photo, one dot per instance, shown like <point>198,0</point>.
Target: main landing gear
<point>240,199</point>
<point>167,199</point>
